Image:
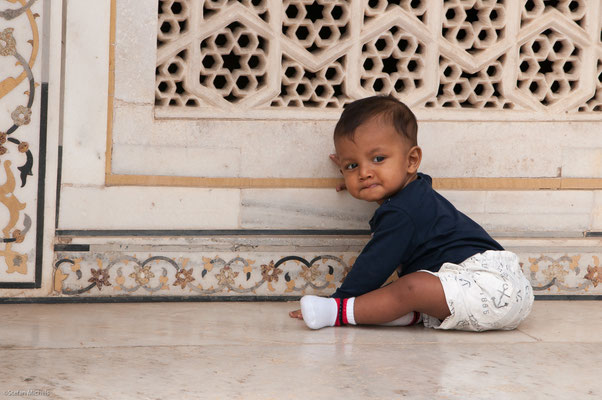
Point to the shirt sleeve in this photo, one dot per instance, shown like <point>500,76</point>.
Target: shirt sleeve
<point>390,246</point>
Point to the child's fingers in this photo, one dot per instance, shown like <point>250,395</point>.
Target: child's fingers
<point>296,314</point>
<point>334,159</point>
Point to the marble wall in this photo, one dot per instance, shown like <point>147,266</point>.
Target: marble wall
<point>26,213</point>
<point>155,149</point>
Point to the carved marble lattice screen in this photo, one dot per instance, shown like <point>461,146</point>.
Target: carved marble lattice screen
<point>303,58</point>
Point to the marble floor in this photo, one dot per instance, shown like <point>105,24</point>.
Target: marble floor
<point>255,351</point>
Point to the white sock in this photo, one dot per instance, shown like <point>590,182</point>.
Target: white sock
<point>319,312</point>
<point>408,319</point>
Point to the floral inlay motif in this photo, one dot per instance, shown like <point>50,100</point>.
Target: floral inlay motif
<point>269,272</point>
<point>226,277</point>
<point>99,277</point>
<point>555,271</point>
<point>183,277</point>
<point>594,272</point>
<point>142,275</point>
<point>21,115</point>
<point>292,275</point>
<point>308,273</point>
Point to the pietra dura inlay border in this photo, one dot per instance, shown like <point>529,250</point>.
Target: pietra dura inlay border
<point>22,154</point>
<point>269,273</point>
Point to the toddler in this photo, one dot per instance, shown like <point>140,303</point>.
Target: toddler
<point>452,274</point>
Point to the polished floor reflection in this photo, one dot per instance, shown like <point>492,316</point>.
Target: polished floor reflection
<point>255,351</point>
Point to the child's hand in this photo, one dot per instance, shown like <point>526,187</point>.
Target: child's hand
<point>335,160</point>
<point>296,314</point>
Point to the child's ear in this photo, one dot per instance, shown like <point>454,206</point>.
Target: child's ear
<point>414,159</point>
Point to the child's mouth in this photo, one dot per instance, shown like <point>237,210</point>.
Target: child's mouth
<point>370,186</point>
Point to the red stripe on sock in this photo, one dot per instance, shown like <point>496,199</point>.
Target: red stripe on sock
<point>344,317</point>
<point>337,321</point>
<point>415,319</point>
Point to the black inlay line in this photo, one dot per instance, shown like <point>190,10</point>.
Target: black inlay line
<point>208,299</point>
<point>217,232</point>
<point>593,234</point>
<point>59,175</point>
<point>71,247</point>
<point>567,297</point>
<point>17,285</point>
<point>41,185</point>
<point>143,299</point>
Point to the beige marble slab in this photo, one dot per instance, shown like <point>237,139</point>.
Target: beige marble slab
<point>254,351</point>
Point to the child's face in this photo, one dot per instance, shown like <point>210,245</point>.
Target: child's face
<point>378,162</point>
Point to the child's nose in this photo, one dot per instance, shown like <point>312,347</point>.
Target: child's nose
<point>365,172</point>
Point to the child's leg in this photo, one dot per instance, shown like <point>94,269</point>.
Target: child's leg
<point>418,291</point>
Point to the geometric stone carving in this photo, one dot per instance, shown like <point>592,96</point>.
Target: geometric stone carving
<point>575,10</point>
<point>233,62</point>
<point>473,25</point>
<point>301,87</point>
<point>306,55</point>
<point>550,66</point>
<point>595,103</point>
<point>393,62</point>
<point>458,88</point>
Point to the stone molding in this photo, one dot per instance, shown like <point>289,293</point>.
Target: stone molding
<point>291,266</point>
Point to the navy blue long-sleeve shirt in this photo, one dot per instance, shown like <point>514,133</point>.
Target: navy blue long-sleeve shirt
<point>415,229</point>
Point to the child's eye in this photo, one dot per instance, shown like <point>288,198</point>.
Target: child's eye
<point>350,166</point>
<point>378,159</point>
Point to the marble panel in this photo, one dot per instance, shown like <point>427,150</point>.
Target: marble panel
<point>148,208</point>
<point>505,211</point>
<point>135,57</point>
<point>303,209</point>
<point>133,125</point>
<point>175,161</point>
<point>597,212</point>
<point>467,201</point>
<point>295,149</point>
<point>300,148</point>
<point>523,222</point>
<point>491,149</point>
<point>540,202</point>
<point>582,162</point>
<point>25,156</point>
<point>85,92</point>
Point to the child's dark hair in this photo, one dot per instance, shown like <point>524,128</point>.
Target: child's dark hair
<point>389,108</point>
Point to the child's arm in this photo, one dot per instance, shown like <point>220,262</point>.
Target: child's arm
<point>391,245</point>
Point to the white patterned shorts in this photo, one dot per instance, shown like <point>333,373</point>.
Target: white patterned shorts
<point>485,292</point>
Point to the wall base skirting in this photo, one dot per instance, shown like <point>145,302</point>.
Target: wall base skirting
<point>278,267</point>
